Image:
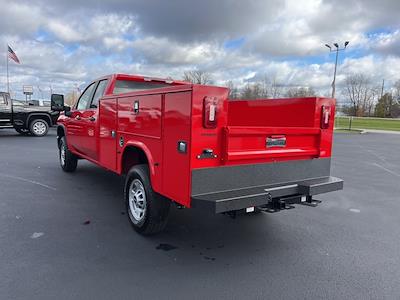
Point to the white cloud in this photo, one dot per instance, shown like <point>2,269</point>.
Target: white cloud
<point>386,43</point>
<point>105,28</point>
<point>19,18</point>
<point>162,50</point>
<point>64,32</point>
<point>65,43</point>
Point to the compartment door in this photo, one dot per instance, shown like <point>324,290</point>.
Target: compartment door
<point>176,147</point>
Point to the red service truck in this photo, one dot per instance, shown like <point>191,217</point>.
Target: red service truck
<point>188,144</point>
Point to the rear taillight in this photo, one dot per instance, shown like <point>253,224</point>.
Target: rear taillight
<point>210,111</point>
<point>325,117</point>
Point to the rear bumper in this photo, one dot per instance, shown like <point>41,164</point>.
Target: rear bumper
<point>226,201</point>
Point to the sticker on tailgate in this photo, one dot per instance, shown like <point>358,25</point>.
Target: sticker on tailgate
<point>276,141</point>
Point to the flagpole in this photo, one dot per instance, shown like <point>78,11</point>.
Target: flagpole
<point>8,81</point>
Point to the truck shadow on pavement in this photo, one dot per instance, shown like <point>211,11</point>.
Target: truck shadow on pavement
<point>11,133</point>
<point>86,209</point>
<point>191,233</point>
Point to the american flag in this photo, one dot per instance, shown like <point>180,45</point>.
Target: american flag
<point>12,55</point>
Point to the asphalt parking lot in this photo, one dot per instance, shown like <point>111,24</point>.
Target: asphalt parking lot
<point>64,236</point>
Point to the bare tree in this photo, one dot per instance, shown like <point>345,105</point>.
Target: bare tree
<point>197,77</point>
<point>396,88</point>
<point>370,102</point>
<point>252,91</point>
<point>233,90</point>
<point>71,97</point>
<point>275,89</point>
<point>257,91</point>
<point>300,92</point>
<point>265,87</point>
<point>270,88</point>
<point>358,92</point>
<point>247,92</point>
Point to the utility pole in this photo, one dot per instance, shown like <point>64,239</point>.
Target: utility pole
<point>8,80</point>
<point>336,63</point>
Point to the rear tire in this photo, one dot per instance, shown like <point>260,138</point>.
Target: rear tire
<point>38,127</point>
<point>68,160</point>
<point>147,210</point>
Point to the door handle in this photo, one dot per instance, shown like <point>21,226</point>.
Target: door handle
<point>92,119</point>
<point>136,107</point>
<point>78,117</point>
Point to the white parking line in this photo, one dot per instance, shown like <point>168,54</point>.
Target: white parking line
<point>386,169</point>
<point>30,181</point>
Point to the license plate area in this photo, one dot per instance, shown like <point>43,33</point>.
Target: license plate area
<point>276,141</point>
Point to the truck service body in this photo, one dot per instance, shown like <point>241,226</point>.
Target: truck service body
<point>198,148</point>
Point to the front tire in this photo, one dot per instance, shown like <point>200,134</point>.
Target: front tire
<point>68,160</point>
<point>39,127</point>
<point>147,210</point>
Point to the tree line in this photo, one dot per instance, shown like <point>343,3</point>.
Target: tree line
<point>359,95</point>
<point>264,88</point>
<point>367,99</point>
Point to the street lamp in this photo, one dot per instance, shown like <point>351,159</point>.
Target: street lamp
<point>337,49</point>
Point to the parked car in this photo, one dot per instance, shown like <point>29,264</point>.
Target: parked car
<point>25,119</point>
<point>189,144</point>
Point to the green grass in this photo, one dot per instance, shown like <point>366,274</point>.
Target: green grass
<point>368,123</point>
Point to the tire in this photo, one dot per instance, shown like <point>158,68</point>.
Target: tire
<point>68,161</point>
<point>38,127</point>
<point>22,131</point>
<point>147,211</point>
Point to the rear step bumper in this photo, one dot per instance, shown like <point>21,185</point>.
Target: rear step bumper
<point>268,198</point>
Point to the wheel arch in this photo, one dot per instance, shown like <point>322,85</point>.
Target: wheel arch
<point>35,116</point>
<point>61,133</point>
<point>135,153</point>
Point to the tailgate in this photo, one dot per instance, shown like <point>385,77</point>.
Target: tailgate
<point>278,129</point>
<point>269,143</point>
<point>268,149</point>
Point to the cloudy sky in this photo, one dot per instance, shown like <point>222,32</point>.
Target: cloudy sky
<point>65,44</point>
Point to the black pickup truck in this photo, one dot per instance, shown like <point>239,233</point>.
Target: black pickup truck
<point>25,119</point>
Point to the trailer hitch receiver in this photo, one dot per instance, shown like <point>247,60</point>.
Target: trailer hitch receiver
<point>277,204</point>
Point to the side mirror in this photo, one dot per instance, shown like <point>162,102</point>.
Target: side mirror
<point>67,111</point>
<point>57,102</point>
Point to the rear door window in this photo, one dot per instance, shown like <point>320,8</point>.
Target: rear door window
<point>101,87</point>
<point>85,98</point>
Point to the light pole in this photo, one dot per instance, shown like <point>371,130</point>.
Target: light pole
<point>337,55</point>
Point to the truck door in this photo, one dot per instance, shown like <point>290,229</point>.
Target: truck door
<point>5,111</point>
<point>107,133</point>
<point>76,124</point>
<point>90,122</point>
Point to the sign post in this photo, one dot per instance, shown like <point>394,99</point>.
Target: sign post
<point>28,91</point>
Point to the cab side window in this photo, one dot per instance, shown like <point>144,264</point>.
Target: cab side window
<point>101,87</point>
<point>85,97</point>
<point>2,100</point>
